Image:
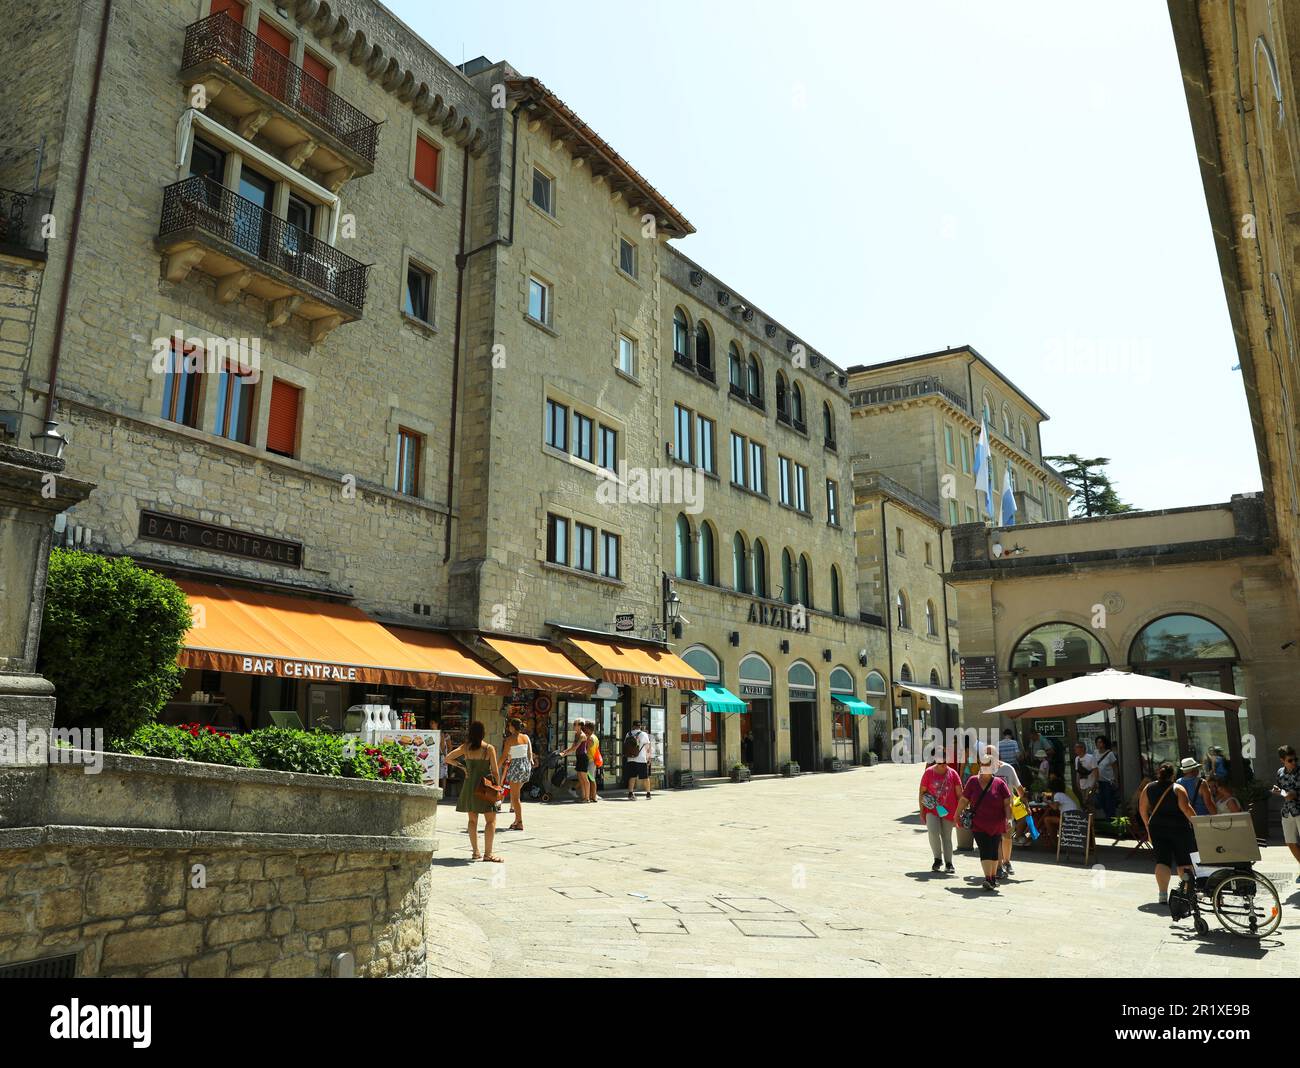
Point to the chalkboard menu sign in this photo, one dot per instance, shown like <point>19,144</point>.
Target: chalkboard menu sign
<point>979,673</point>
<point>1075,833</point>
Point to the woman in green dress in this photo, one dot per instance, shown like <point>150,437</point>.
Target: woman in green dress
<point>478,761</point>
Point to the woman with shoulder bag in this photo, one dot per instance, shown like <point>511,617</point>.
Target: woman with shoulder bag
<point>1167,814</point>
<point>480,791</point>
<point>985,807</point>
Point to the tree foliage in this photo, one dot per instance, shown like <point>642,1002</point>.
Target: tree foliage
<point>1091,490</point>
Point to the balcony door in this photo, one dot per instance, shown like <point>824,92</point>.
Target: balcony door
<point>253,212</point>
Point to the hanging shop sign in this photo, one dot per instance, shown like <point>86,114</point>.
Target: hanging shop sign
<point>783,617</point>
<point>176,530</point>
<point>625,622</point>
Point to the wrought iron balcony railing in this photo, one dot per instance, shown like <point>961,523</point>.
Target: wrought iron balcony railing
<point>705,372</point>
<point>682,360</point>
<point>888,394</point>
<point>221,38</point>
<point>20,215</point>
<point>737,391</point>
<point>198,203</point>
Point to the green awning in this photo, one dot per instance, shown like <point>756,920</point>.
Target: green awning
<point>720,699</point>
<point>855,707</point>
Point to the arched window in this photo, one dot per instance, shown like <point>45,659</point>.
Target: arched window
<point>875,682</point>
<point>755,380</point>
<point>683,564</point>
<point>701,658</point>
<point>755,669</point>
<point>841,680</point>
<point>708,556</point>
<point>801,676</point>
<point>782,397</point>
<point>796,404</point>
<point>1058,644</point>
<point>905,673</point>
<point>739,570</point>
<point>934,677</point>
<point>931,622</point>
<point>787,577</point>
<point>805,582</point>
<point>760,570</point>
<point>735,369</point>
<point>1172,639</point>
<point>703,346</point>
<point>681,337</point>
<point>1024,435</point>
<point>837,609</point>
<point>1006,423</point>
<point>900,606</point>
<point>988,409</point>
<point>828,423</point>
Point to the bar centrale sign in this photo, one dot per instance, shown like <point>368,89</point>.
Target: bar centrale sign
<point>176,530</point>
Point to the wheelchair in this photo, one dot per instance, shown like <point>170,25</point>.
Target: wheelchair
<point>1224,882</point>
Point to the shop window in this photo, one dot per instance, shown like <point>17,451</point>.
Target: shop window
<point>181,382</point>
<point>236,388</point>
<point>557,540</point>
<point>410,450</point>
<point>282,424</point>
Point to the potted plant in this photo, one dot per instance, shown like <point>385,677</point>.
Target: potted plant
<point>740,773</point>
<point>790,769</point>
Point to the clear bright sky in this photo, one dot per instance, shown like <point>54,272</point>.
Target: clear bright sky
<point>892,178</point>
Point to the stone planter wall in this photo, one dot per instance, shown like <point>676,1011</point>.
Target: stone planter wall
<point>293,869</point>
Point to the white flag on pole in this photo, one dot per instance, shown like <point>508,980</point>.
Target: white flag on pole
<point>982,470</point>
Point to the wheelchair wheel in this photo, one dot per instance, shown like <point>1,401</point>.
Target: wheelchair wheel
<point>1202,928</point>
<point>1247,905</point>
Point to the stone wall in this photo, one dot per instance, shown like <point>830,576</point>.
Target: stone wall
<point>20,286</point>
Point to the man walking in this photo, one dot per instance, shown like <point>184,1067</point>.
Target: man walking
<point>1085,774</point>
<point>1008,748</point>
<point>1007,773</point>
<point>637,750</point>
<point>1288,788</point>
<point>1107,778</point>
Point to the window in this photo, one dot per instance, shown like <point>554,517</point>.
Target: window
<point>787,577</point>
<point>953,516</point>
<point>627,355</point>
<point>419,288</point>
<point>755,381</point>
<point>965,455</point>
<point>805,583</point>
<point>704,350</point>
<point>1011,477</point>
<point>607,452</point>
<point>682,433</point>
<point>235,409</point>
<point>609,550</point>
<point>988,408</point>
<point>582,434</point>
<point>314,86</point>
<point>947,445</point>
<point>931,623</point>
<point>905,673</point>
<point>409,450</point>
<point>544,191</point>
<point>584,547</point>
<point>828,425</point>
<point>735,370</point>
<point>832,502</point>
<point>783,474</point>
<point>683,547</point>
<point>900,605</point>
<point>428,164</point>
<point>970,514</point>
<point>557,540</point>
<point>180,402</point>
<point>739,572</point>
<point>796,405</point>
<point>681,337</point>
<point>1024,436</point>
<point>706,572</point>
<point>760,570</point>
<point>757,467</point>
<point>627,257</point>
<point>801,487</point>
<point>782,398</point>
<point>836,608</point>
<point>929,557</point>
<point>900,546</point>
<point>704,441</point>
<point>557,426</point>
<point>539,301</point>
<point>737,459</point>
<point>282,424</point>
<point>1006,423</point>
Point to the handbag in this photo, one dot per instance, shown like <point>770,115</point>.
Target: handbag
<point>486,791</point>
<point>967,817</point>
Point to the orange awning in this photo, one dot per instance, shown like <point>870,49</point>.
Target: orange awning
<point>250,632</point>
<point>458,670</point>
<point>539,666</point>
<point>639,665</point>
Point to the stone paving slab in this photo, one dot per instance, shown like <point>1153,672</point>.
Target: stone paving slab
<point>820,875</point>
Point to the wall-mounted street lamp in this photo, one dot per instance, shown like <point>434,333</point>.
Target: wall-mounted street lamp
<point>49,442</point>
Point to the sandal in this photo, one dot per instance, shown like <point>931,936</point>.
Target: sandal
<point>515,827</point>
<point>475,856</point>
<point>492,858</point>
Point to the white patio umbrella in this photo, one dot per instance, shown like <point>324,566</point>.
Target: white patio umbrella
<point>1108,689</point>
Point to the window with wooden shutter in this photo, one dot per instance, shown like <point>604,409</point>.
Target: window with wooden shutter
<point>233,8</point>
<point>427,159</point>
<point>315,87</point>
<point>282,425</point>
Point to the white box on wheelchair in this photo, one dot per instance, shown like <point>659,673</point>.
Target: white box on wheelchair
<point>1228,838</point>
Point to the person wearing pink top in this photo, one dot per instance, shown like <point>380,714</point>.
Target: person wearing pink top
<point>940,785</point>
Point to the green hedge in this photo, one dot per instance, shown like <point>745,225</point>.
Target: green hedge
<point>275,749</point>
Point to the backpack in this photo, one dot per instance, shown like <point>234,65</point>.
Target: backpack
<point>631,746</point>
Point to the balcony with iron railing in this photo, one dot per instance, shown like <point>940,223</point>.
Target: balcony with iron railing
<point>266,93</point>
<point>248,249</point>
<point>901,391</point>
<point>20,223</point>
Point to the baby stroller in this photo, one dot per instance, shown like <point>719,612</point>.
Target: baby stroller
<point>1224,881</point>
<point>549,780</point>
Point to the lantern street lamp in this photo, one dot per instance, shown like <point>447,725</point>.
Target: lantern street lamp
<point>49,442</point>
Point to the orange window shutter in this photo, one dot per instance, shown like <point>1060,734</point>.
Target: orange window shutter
<point>318,70</point>
<point>269,35</point>
<point>426,164</point>
<point>282,425</point>
<point>234,8</point>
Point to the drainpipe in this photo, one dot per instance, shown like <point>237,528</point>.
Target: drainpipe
<point>888,606</point>
<point>947,641</point>
<point>75,226</point>
<point>462,259</point>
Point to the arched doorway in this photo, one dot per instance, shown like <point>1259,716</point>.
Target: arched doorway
<point>701,728</point>
<point>1190,649</point>
<point>802,683</point>
<point>757,729</point>
<point>844,738</point>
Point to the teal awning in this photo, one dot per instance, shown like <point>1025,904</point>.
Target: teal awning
<point>855,707</point>
<point>720,699</point>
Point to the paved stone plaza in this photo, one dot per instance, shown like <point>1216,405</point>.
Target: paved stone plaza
<point>821,875</point>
